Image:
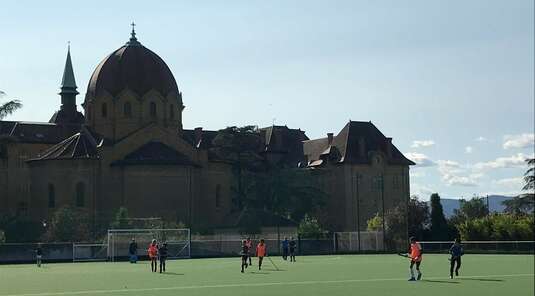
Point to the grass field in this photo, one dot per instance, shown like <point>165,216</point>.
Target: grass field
<point>510,275</point>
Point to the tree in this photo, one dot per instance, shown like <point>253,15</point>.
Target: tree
<point>418,218</point>
<point>240,146</point>
<point>439,224</point>
<point>121,220</point>
<point>520,205</point>
<point>68,225</point>
<point>375,223</point>
<point>8,107</point>
<point>309,227</point>
<point>529,176</point>
<point>498,227</point>
<point>470,209</point>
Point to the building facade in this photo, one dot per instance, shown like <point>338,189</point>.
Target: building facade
<point>129,148</point>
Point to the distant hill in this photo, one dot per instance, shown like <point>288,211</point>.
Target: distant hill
<point>450,204</point>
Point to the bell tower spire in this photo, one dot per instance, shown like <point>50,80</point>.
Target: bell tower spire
<point>68,112</point>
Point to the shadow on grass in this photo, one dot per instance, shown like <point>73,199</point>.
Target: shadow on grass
<point>172,273</point>
<point>259,272</point>
<point>440,281</point>
<point>481,280</point>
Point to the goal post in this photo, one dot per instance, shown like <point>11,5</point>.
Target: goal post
<point>178,242</point>
<point>89,252</point>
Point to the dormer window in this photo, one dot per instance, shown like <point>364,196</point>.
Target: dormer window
<point>152,109</point>
<point>127,110</point>
<point>104,110</point>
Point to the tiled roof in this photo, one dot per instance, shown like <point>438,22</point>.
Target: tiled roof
<point>286,141</point>
<point>348,144</point>
<point>79,146</point>
<point>37,132</point>
<point>155,153</point>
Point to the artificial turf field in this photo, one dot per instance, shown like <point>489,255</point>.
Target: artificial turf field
<point>509,275</point>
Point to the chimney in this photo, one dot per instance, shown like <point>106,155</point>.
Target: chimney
<point>389,147</point>
<point>362,147</point>
<point>330,138</point>
<point>198,136</point>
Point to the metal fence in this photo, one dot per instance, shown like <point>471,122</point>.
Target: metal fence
<point>497,247</point>
<point>229,245</point>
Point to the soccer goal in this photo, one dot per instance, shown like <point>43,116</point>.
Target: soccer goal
<point>89,252</point>
<point>178,242</point>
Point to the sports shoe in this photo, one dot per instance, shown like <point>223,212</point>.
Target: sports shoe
<point>412,279</point>
<point>451,276</point>
<point>419,276</point>
<point>457,273</point>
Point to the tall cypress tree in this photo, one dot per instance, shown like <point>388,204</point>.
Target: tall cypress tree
<point>439,225</point>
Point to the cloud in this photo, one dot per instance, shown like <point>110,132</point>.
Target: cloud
<point>420,159</point>
<point>422,143</point>
<point>416,174</point>
<point>518,141</point>
<point>481,139</point>
<point>515,182</point>
<point>468,149</point>
<point>513,161</point>
<point>421,191</point>
<point>454,174</point>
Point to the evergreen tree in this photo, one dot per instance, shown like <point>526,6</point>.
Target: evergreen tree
<point>439,224</point>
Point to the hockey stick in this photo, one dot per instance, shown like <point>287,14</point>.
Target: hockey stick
<point>273,263</point>
<point>403,255</point>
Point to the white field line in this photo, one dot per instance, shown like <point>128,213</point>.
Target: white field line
<point>253,285</point>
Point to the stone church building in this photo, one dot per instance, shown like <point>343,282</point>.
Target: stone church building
<point>127,147</point>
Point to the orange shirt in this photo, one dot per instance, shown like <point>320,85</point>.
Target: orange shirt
<point>261,250</point>
<point>153,251</point>
<point>416,252</point>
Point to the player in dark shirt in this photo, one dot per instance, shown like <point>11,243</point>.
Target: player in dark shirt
<point>163,253</point>
<point>293,246</point>
<point>132,251</point>
<point>39,254</point>
<point>456,252</point>
<point>244,255</point>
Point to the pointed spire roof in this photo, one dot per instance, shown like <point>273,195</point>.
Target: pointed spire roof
<point>68,83</point>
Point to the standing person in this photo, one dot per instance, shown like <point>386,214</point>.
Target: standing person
<point>285,246</point>
<point>249,244</point>
<point>39,254</point>
<point>153,255</point>
<point>244,255</point>
<point>132,251</point>
<point>456,252</point>
<point>415,254</point>
<point>293,246</point>
<point>261,252</point>
<point>162,252</point>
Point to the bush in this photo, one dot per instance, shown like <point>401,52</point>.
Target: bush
<point>498,227</point>
<point>309,228</point>
<point>375,223</point>
<point>68,225</point>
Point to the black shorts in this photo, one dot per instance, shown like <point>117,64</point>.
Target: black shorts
<point>244,257</point>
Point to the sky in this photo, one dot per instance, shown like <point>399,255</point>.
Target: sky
<point>452,82</point>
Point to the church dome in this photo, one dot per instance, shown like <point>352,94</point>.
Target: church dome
<point>132,66</point>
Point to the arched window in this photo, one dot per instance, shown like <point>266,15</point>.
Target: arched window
<point>127,110</point>
<point>51,196</point>
<point>104,110</point>
<point>171,111</point>
<point>152,109</point>
<point>80,194</point>
<point>218,196</point>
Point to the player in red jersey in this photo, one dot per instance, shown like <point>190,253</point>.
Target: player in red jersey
<point>415,255</point>
<point>153,255</point>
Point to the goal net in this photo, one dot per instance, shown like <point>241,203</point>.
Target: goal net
<point>349,242</point>
<point>89,252</point>
<point>178,242</point>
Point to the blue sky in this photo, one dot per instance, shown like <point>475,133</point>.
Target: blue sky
<point>451,81</point>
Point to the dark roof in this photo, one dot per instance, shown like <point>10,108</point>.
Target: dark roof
<point>155,153</point>
<point>286,141</point>
<point>135,67</point>
<point>348,147</point>
<point>247,217</point>
<point>203,142</point>
<point>62,116</point>
<point>81,145</point>
<point>37,132</point>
